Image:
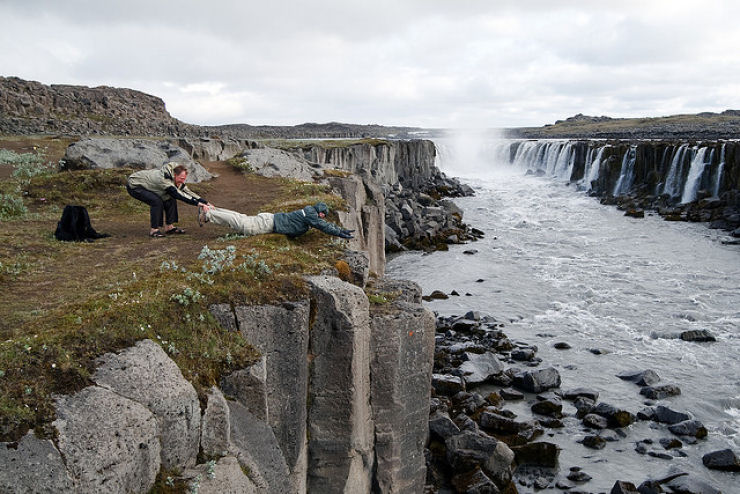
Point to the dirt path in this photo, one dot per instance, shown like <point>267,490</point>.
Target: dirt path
<point>57,279</point>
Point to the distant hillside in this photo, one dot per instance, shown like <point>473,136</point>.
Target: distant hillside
<point>30,107</point>
<point>725,125</point>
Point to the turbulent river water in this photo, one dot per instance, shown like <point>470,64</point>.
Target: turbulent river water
<point>557,266</point>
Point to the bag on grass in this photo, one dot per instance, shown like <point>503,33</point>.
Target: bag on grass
<point>75,226</point>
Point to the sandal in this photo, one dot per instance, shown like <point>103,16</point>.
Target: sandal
<point>157,234</point>
<point>176,229</point>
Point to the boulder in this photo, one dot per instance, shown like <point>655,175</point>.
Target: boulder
<point>475,482</point>
<point>641,378</point>
<point>109,443</point>
<point>688,484</point>
<point>144,373</point>
<point>469,450</point>
<point>573,394</point>
<point>478,368</point>
<point>549,406</point>
<point>616,416</point>
<point>595,421</point>
<point>33,465</point>
<point>660,392</point>
<point>692,428</point>
<point>622,487</point>
<point>271,162</point>
<point>724,459</point>
<point>667,416</point>
<point>132,153</point>
<point>594,442</point>
<point>698,335</point>
<point>536,381</point>
<point>540,453</point>
<point>447,385</point>
<point>441,426</point>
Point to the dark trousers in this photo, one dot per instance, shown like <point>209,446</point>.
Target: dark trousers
<point>156,206</point>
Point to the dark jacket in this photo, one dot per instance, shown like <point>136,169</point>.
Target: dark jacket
<point>298,222</point>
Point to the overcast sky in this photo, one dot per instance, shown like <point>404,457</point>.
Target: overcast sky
<point>426,63</point>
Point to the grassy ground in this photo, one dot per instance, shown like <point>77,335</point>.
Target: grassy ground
<point>64,304</point>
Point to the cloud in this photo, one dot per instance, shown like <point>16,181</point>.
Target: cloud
<point>417,62</point>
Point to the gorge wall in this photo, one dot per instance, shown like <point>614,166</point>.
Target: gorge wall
<point>681,180</point>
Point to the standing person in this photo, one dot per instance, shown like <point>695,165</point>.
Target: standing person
<point>291,224</point>
<point>160,188</point>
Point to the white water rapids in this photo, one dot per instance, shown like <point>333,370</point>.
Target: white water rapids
<point>558,266</point>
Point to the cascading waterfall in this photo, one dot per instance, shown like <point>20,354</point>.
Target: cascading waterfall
<point>627,173</point>
<point>720,170</point>
<point>696,170</point>
<point>672,185</point>
<point>592,173</point>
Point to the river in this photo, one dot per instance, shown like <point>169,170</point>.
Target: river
<point>557,266</point>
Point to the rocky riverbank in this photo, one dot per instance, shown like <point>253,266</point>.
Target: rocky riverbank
<point>478,443</point>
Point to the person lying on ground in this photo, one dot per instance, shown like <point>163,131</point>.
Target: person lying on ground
<point>291,224</point>
<point>161,189</point>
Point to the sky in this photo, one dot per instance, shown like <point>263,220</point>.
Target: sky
<point>421,63</point>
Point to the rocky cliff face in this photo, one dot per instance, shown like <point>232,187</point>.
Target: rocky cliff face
<point>338,403</point>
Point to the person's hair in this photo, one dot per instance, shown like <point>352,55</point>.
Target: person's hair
<point>179,169</point>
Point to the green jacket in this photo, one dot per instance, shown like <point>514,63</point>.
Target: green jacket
<point>298,222</point>
<point>162,183</point>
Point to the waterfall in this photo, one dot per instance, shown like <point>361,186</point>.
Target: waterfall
<point>627,174</point>
<point>693,180</point>
<point>720,170</point>
<point>672,185</point>
<point>593,172</point>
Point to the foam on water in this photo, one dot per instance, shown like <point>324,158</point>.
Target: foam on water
<point>556,262</point>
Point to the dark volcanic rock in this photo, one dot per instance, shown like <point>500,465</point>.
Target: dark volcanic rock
<point>537,381</point>
<point>725,459</point>
<point>692,428</point>
<point>687,484</point>
<point>667,416</point>
<point>641,378</point>
<point>540,453</point>
<point>698,335</point>
<point>445,384</point>
<point>478,368</point>
<point>660,392</point>
<point>594,442</point>
<point>616,416</point>
<point>622,487</point>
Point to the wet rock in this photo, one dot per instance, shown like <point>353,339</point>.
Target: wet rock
<point>595,421</point>
<point>523,354</point>
<point>561,345</point>
<point>598,351</point>
<point>469,450</point>
<point>647,413</point>
<point>670,443</point>
<point>470,252</point>
<point>540,453</point>
<point>578,475</point>
<point>573,394</point>
<point>701,335</point>
<point>478,368</point>
<point>594,442</point>
<point>623,487</point>
<point>447,385</point>
<point>667,416</point>
<point>724,459</point>
<point>660,392</point>
<point>441,426</point>
<point>641,378</point>
<point>475,482</point>
<point>688,484</point>
<point>537,381</point>
<point>616,416</point>
<point>468,402</point>
<point>583,406</point>
<point>435,295</point>
<point>659,454</point>
<point>691,428</point>
<point>497,423</point>
<point>510,394</point>
<point>465,423</point>
<point>549,406</point>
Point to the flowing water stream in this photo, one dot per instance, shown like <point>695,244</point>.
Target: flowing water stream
<point>558,266</point>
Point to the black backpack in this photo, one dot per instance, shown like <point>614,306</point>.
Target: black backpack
<point>75,226</point>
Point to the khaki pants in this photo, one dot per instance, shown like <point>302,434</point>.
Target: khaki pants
<point>242,223</point>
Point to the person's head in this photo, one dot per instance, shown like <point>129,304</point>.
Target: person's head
<point>322,209</point>
<point>179,175</point>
